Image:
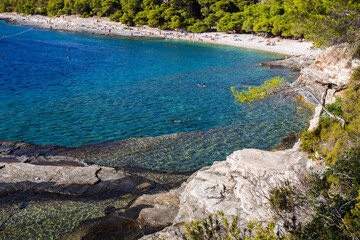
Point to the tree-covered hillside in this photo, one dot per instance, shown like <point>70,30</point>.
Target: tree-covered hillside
<point>325,21</point>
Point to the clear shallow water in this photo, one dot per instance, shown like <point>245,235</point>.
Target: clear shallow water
<point>113,88</point>
<point>193,150</point>
<point>43,218</point>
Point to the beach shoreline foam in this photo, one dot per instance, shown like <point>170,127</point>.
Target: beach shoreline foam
<point>103,26</point>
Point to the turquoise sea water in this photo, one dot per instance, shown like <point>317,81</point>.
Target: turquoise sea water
<point>116,88</point>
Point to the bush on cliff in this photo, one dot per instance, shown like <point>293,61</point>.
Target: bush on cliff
<point>329,200</point>
<point>218,227</point>
<point>329,139</point>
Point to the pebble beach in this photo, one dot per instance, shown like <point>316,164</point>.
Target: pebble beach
<point>103,26</point>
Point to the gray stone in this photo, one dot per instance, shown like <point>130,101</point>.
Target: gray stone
<point>238,185</point>
<point>168,233</point>
<point>68,180</point>
<point>332,67</point>
<point>294,62</point>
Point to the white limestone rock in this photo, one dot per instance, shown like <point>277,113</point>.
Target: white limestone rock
<point>238,185</point>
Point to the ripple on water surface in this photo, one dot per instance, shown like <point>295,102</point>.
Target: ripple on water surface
<point>114,89</point>
<point>195,149</point>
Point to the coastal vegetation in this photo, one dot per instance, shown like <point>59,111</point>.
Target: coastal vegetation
<point>218,227</point>
<point>320,21</point>
<point>255,93</point>
<point>330,139</point>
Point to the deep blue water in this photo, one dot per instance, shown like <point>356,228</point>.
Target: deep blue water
<point>116,88</point>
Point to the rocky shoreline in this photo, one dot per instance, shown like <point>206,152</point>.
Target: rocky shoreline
<point>34,168</point>
<point>236,186</point>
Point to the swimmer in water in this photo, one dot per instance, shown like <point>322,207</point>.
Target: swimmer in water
<point>177,121</point>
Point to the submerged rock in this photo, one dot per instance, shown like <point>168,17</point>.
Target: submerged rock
<point>286,143</point>
<point>147,214</point>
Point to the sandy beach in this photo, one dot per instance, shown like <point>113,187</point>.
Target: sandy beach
<point>96,25</point>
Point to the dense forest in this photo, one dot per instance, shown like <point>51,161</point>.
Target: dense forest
<point>322,21</point>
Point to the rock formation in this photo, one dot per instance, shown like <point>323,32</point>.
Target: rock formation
<point>33,168</point>
<point>295,63</point>
<point>327,76</point>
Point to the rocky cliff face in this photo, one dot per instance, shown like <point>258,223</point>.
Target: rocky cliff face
<point>326,77</point>
<point>333,68</point>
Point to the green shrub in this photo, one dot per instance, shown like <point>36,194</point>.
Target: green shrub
<point>257,92</point>
<point>218,227</point>
<point>198,26</point>
<point>116,16</point>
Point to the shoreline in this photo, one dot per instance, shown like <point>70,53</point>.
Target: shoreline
<point>103,26</point>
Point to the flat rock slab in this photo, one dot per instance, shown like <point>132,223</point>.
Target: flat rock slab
<point>68,180</point>
<point>23,172</point>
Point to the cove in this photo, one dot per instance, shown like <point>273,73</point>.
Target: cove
<point>74,89</point>
<point>111,101</point>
